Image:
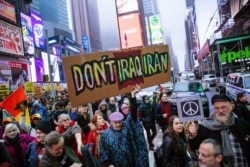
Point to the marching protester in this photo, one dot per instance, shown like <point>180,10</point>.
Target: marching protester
<point>71,131</point>
<point>36,148</point>
<point>241,109</point>
<point>58,152</point>
<point>210,154</point>
<point>103,110</point>
<point>30,128</point>
<point>94,135</point>
<point>129,147</point>
<point>173,144</point>
<point>163,111</point>
<point>233,133</point>
<point>16,144</point>
<point>40,109</point>
<point>190,129</point>
<point>146,114</point>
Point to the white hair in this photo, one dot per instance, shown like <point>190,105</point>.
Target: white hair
<point>9,126</point>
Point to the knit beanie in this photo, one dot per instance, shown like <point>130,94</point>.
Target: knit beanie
<point>44,126</point>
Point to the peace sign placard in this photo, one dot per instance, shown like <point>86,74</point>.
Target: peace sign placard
<point>190,109</point>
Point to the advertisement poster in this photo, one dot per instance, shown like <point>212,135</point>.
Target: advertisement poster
<point>125,6</point>
<point>39,69</point>
<point>5,78</point>
<point>19,72</point>
<point>27,34</point>
<point>130,31</point>
<point>7,10</point>
<point>37,29</point>
<point>11,39</point>
<point>155,28</point>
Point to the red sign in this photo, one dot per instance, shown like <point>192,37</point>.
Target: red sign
<point>11,39</point>
<point>130,31</point>
<point>7,10</point>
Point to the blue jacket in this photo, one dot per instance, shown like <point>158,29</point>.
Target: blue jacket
<point>41,110</point>
<point>31,155</point>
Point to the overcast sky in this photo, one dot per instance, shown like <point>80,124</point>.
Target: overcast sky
<point>173,14</point>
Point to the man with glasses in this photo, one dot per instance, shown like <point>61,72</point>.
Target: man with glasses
<point>210,154</point>
<point>231,132</point>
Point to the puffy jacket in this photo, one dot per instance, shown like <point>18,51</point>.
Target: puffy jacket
<point>173,156</point>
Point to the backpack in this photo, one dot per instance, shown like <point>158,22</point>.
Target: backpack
<point>158,156</point>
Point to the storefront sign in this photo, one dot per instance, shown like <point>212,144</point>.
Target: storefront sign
<point>10,39</point>
<point>231,56</point>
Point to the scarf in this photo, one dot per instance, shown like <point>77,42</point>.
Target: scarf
<point>18,149</point>
<point>212,124</point>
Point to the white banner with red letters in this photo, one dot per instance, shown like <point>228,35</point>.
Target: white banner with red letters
<point>11,39</point>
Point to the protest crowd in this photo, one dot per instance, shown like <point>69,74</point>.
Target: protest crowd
<point>47,132</point>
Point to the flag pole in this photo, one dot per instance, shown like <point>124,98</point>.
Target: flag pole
<point>51,79</point>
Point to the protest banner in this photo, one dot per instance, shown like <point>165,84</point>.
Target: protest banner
<point>104,74</point>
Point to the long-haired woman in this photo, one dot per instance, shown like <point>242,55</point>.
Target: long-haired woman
<point>173,145</point>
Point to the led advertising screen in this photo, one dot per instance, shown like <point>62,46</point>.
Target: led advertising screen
<point>7,10</point>
<point>40,67</point>
<point>27,34</point>
<point>130,31</point>
<point>37,29</point>
<point>155,29</point>
<point>19,72</point>
<point>125,6</point>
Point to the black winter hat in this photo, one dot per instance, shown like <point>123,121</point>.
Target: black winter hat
<point>220,98</point>
<point>44,126</point>
<point>144,97</point>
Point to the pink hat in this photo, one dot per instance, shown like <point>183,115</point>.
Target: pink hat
<point>116,116</point>
<point>124,105</point>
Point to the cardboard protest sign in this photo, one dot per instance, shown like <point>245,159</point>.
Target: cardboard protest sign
<point>190,109</point>
<point>104,74</point>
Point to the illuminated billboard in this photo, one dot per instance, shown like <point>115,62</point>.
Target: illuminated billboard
<point>37,29</point>
<point>155,29</point>
<point>7,10</point>
<point>27,34</point>
<point>130,31</point>
<point>40,67</point>
<point>125,6</point>
<point>11,39</point>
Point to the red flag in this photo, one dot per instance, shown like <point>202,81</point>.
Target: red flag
<point>11,102</point>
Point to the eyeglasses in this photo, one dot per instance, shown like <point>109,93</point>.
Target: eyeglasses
<point>204,155</point>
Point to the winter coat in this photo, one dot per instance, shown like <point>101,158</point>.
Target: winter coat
<point>24,141</point>
<point>126,147</point>
<point>242,111</point>
<point>40,110</point>
<point>146,114</point>
<point>49,160</point>
<point>241,131</point>
<point>105,113</point>
<point>5,158</point>
<point>173,155</point>
<point>31,153</point>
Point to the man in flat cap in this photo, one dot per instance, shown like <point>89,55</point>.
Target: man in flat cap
<point>123,144</point>
<point>232,133</point>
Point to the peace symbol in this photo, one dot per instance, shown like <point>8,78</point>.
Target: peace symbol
<point>190,108</point>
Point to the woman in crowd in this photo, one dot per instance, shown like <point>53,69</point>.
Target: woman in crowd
<point>173,149</point>
<point>190,129</point>
<point>163,111</point>
<point>16,144</point>
<point>94,135</point>
<point>70,129</point>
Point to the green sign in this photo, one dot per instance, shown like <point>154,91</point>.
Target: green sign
<point>231,56</point>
